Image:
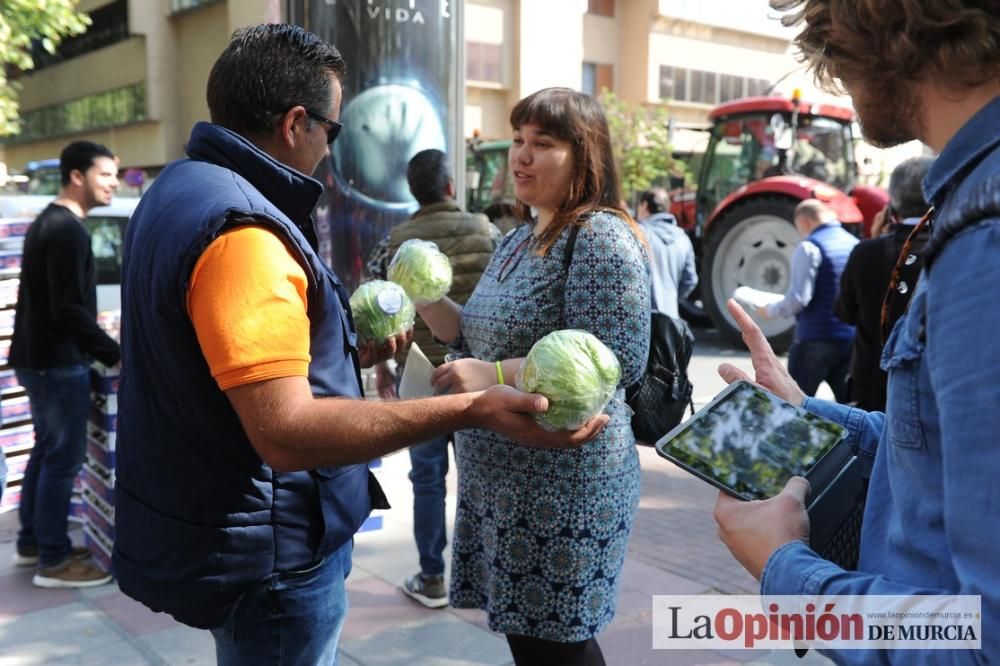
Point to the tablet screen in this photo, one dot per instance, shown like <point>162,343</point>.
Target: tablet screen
<point>750,441</point>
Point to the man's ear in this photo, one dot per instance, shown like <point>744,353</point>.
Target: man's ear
<point>449,191</point>
<point>291,125</point>
<point>77,178</point>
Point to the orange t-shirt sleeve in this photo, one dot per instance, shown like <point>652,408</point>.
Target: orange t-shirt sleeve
<point>247,300</point>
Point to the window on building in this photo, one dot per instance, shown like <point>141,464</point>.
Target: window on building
<point>694,85</point>
<point>108,25</point>
<point>673,83</point>
<point>601,7</point>
<point>104,109</point>
<point>185,5</point>
<point>730,87</point>
<point>757,87</point>
<point>703,87</point>
<point>597,77</point>
<point>484,62</point>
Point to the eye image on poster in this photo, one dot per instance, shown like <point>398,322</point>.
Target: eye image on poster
<point>400,97</point>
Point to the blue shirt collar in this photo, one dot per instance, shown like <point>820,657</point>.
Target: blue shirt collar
<point>979,136</point>
<point>293,192</point>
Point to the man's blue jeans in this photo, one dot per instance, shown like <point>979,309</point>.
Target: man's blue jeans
<point>428,469</point>
<point>60,405</point>
<point>814,361</point>
<point>289,618</point>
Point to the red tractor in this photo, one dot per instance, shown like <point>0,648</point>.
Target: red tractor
<point>764,156</point>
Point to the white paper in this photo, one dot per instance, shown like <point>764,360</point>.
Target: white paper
<point>752,298</point>
<point>416,379</point>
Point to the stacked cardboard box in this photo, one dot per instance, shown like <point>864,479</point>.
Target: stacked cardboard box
<point>99,467</point>
<point>16,434</point>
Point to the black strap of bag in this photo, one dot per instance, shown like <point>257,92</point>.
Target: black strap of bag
<point>662,396</point>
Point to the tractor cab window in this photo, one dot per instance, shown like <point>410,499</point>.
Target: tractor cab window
<point>489,187</point>
<point>740,150</point>
<point>752,147</point>
<point>822,150</point>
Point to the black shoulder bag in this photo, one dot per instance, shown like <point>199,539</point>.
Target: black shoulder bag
<point>662,395</point>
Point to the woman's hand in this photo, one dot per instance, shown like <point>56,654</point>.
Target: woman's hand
<point>464,376</point>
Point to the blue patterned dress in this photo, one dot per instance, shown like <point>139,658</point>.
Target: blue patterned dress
<point>540,535</point>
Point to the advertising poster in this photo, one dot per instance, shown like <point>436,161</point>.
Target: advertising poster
<point>400,97</point>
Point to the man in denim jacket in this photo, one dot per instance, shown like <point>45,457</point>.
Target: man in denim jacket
<point>933,499</point>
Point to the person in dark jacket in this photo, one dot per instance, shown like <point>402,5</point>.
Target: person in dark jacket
<point>468,240</point>
<point>56,337</point>
<point>242,442</point>
<point>866,277</point>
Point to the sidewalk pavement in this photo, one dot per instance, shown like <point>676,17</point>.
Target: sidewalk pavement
<point>673,550</point>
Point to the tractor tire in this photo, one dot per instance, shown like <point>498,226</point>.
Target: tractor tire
<point>750,244</point>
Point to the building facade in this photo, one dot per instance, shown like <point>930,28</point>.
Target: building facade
<point>135,81</point>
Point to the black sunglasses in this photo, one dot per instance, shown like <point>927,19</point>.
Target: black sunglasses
<point>332,126</point>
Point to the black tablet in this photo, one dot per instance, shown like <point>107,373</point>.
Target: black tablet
<point>748,442</point>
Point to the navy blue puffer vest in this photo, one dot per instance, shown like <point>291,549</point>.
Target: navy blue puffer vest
<point>199,515</point>
<point>817,320</point>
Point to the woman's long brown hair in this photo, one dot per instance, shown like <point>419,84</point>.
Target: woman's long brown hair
<point>578,119</point>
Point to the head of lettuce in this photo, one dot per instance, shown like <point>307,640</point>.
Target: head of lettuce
<point>576,372</point>
<point>381,310</point>
<point>421,269</point>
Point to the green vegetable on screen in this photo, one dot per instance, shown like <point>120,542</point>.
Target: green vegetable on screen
<point>381,310</point>
<point>575,371</point>
<point>422,270</point>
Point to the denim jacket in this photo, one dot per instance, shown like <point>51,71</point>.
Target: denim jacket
<point>934,497</point>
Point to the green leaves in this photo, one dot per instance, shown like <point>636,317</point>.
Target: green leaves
<point>21,23</point>
<point>640,136</point>
<point>575,371</point>
<point>381,310</point>
<point>422,270</point>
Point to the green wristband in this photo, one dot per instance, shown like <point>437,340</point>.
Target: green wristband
<point>499,373</point>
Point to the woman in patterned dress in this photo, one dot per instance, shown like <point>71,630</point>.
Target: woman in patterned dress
<point>541,534</point>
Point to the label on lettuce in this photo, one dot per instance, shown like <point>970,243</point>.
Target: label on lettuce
<point>390,300</point>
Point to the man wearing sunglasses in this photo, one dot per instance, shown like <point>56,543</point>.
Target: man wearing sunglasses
<point>242,445</point>
<point>925,70</point>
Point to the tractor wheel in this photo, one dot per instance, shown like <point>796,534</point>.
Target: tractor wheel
<point>750,244</point>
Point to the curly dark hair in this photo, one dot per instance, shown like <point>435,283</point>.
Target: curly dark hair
<point>880,41</point>
<point>267,69</point>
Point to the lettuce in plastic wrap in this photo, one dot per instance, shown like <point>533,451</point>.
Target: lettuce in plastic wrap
<point>381,309</point>
<point>575,371</point>
<point>422,270</point>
